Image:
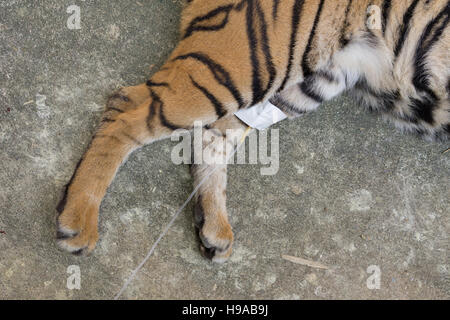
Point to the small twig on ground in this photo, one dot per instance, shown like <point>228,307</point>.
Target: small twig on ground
<point>28,102</point>
<point>446,151</point>
<point>305,262</point>
<point>2,232</point>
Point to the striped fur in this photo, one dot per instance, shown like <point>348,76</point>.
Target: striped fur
<point>296,53</point>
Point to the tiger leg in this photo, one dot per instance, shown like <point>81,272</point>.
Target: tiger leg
<point>131,120</point>
<point>309,94</point>
<point>210,212</point>
<point>120,133</point>
<point>344,70</point>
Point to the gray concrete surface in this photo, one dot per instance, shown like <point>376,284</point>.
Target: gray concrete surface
<point>351,191</point>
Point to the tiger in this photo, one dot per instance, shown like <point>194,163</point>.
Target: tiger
<point>295,54</point>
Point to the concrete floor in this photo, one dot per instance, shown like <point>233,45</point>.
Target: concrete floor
<point>351,191</point>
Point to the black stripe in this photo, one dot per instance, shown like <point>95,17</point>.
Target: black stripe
<point>285,106</point>
<point>425,44</point>
<point>156,102</point>
<point>119,96</point>
<point>220,109</point>
<point>423,107</point>
<point>79,252</point>
<point>157,84</point>
<point>386,100</point>
<point>276,4</point>
<point>61,205</point>
<point>266,49</point>
<point>296,13</point>
<point>387,5</point>
<point>64,236</point>
<point>166,123</point>
<point>255,12</point>
<point>253,43</point>
<point>108,120</point>
<point>404,29</point>
<point>307,87</point>
<point>342,39</point>
<point>114,109</point>
<point>219,73</point>
<point>240,5</point>
<point>196,26</point>
<point>199,213</point>
<point>307,71</point>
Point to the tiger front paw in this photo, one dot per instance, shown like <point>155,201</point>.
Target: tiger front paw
<point>77,228</point>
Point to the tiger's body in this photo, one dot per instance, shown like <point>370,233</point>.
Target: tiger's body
<point>234,54</point>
